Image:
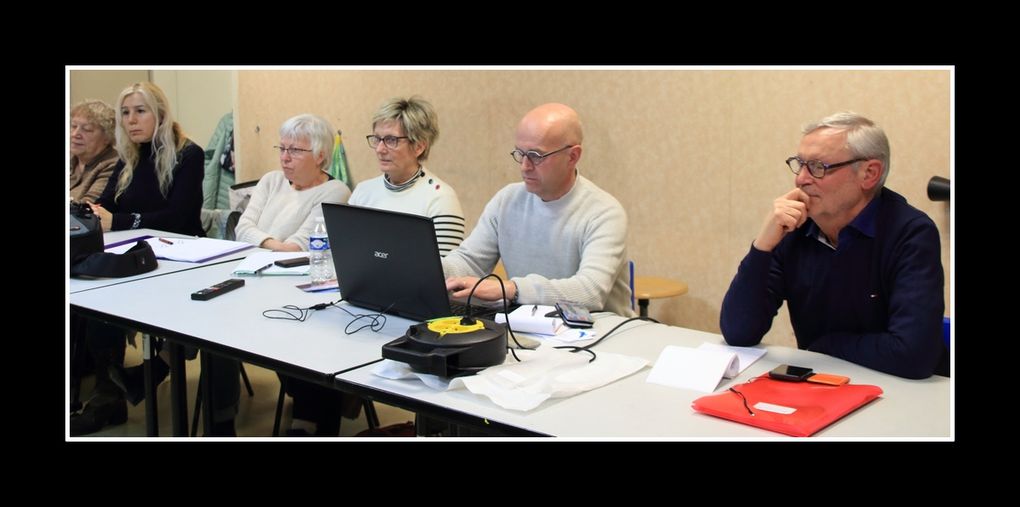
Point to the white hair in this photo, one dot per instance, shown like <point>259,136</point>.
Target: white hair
<point>864,139</point>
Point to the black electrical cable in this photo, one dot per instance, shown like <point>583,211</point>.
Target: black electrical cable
<point>378,320</point>
<point>294,312</point>
<point>468,320</point>
<point>586,348</point>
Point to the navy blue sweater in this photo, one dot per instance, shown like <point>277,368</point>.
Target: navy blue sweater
<point>180,211</point>
<point>876,300</point>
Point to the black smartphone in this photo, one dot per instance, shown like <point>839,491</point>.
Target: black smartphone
<point>791,373</point>
<point>574,315</point>
<point>290,263</point>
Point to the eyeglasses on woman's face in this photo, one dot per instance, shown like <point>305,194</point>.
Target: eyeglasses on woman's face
<point>292,151</point>
<point>391,141</point>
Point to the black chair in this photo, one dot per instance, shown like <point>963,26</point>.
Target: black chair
<point>232,218</point>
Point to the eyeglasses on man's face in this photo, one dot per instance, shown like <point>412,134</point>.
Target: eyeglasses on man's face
<point>391,141</point>
<point>292,151</point>
<point>817,168</point>
<point>535,157</point>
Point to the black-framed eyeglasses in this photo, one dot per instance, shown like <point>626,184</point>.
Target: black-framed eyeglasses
<point>391,141</point>
<point>292,150</point>
<point>817,168</point>
<point>534,156</point>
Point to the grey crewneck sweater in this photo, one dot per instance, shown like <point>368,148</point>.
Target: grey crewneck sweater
<point>573,248</point>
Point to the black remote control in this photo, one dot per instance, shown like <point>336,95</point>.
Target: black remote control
<point>220,288</point>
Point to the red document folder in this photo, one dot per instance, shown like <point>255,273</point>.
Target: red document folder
<point>816,405</point>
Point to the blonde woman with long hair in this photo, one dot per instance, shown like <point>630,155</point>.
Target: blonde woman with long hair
<point>157,184</point>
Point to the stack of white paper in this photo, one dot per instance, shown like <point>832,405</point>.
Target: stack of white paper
<point>745,355</point>
<point>702,368</point>
<point>532,319</point>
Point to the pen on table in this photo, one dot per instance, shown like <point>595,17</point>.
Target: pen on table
<point>533,310</point>
<point>167,241</point>
<point>258,271</point>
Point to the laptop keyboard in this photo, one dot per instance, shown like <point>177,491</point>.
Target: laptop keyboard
<point>479,311</point>
<point>458,309</point>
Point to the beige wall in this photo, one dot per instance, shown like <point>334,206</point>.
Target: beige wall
<point>198,98</point>
<point>696,157</point>
<point>104,85</point>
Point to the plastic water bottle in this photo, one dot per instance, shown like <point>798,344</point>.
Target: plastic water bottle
<point>320,257</point>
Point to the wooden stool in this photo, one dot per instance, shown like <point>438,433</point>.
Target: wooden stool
<point>500,271</point>
<point>653,287</point>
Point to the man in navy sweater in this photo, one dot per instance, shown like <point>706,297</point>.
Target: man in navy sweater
<point>860,268</point>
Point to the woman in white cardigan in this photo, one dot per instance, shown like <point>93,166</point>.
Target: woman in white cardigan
<point>280,217</point>
<point>282,211</point>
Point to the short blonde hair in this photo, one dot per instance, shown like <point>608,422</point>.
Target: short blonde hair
<point>416,116</point>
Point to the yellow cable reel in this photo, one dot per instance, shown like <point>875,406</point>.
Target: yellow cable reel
<point>447,325</point>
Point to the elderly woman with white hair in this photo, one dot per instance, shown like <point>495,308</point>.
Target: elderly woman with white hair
<point>282,211</point>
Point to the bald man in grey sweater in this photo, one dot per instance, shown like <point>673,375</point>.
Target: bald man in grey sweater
<point>559,235</point>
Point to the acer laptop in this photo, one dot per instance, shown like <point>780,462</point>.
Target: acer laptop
<point>388,262</point>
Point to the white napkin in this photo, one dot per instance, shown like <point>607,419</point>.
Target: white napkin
<point>549,373</point>
<point>542,374</point>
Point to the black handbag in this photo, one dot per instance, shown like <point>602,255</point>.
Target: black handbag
<point>87,255</point>
<point>86,232</point>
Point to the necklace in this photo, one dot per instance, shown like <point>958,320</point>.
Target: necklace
<point>405,185</point>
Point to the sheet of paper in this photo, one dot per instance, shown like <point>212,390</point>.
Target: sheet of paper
<point>532,319</point>
<point>122,246</point>
<point>194,249</point>
<point>330,285</point>
<point>745,355</point>
<point>570,335</point>
<point>689,368</point>
<point>254,264</point>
